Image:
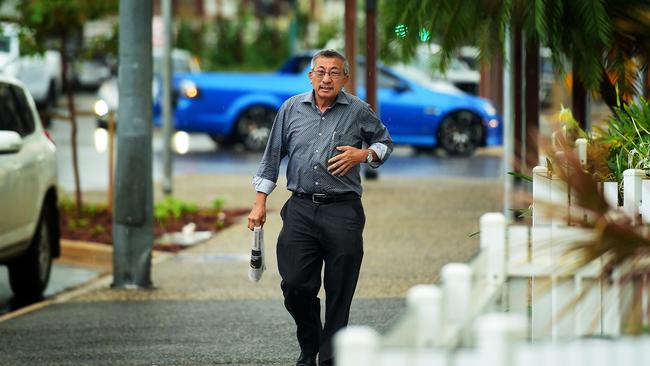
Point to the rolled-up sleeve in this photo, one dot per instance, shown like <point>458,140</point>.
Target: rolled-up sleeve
<point>376,135</point>
<point>267,174</point>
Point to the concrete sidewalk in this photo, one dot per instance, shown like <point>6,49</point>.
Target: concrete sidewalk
<point>205,311</point>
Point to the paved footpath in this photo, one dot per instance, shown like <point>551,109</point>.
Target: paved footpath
<point>204,311</point>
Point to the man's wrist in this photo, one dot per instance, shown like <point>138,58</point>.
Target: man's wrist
<point>260,198</point>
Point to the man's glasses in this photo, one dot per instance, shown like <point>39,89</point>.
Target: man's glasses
<point>334,74</point>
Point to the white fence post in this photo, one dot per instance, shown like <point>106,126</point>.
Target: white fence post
<point>457,290</point>
<point>426,302</point>
<point>632,193</point>
<point>560,201</point>
<point>518,254</point>
<point>497,334</point>
<point>493,239</point>
<point>610,192</point>
<point>581,146</point>
<point>356,346</point>
<point>645,201</point>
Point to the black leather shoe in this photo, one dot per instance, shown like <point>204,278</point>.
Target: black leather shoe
<point>328,362</point>
<point>306,359</point>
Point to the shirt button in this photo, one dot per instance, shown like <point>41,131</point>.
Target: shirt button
<point>322,118</point>
<point>316,183</point>
<point>315,166</point>
<point>316,150</point>
<point>320,134</point>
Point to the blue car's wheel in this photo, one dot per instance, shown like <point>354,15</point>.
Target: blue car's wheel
<point>254,127</point>
<point>460,133</point>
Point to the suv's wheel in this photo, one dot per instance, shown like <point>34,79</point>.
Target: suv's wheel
<point>460,133</point>
<point>254,127</point>
<point>30,273</point>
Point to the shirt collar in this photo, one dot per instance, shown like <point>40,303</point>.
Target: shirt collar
<point>341,98</point>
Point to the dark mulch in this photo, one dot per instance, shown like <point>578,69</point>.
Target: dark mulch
<point>96,225</point>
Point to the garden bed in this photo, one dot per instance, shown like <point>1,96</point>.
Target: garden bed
<point>95,224</point>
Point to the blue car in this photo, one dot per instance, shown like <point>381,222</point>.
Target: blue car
<point>241,107</point>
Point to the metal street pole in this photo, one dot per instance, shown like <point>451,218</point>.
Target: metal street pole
<point>133,201</point>
<point>167,128</point>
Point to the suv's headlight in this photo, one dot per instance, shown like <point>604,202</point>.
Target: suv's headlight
<point>101,108</point>
<point>189,89</point>
<point>489,109</point>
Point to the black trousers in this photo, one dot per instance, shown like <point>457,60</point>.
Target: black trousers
<point>313,234</point>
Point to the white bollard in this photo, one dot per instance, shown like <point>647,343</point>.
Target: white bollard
<point>457,291</point>
<point>426,302</point>
<point>356,346</point>
<point>632,193</point>
<point>497,334</point>
<point>541,195</point>
<point>493,239</point>
<point>581,146</point>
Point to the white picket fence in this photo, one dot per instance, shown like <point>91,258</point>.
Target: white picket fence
<point>511,305</point>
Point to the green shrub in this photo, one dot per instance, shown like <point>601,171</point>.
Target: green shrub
<point>172,207</point>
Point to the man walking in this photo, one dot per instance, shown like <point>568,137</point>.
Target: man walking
<point>321,133</point>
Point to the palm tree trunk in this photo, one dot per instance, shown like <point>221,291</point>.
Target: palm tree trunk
<point>579,102</point>
<point>608,91</point>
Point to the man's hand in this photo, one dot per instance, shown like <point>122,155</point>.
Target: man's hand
<point>341,164</point>
<point>257,217</point>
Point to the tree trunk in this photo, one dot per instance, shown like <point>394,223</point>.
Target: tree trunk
<point>73,123</point>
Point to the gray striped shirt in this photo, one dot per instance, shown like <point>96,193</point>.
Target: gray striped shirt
<point>309,138</point>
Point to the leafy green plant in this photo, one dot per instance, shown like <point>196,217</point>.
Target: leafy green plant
<point>172,207</point>
<point>97,229</point>
<point>77,223</point>
<point>628,136</point>
<point>218,203</point>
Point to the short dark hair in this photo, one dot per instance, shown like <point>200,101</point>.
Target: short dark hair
<point>331,54</point>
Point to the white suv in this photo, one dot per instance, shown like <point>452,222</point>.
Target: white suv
<point>29,216</point>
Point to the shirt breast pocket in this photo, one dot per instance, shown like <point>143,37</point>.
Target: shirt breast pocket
<point>344,140</point>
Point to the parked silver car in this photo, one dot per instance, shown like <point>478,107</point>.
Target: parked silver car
<point>29,223</point>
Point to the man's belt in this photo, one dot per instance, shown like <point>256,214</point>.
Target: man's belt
<point>327,198</point>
